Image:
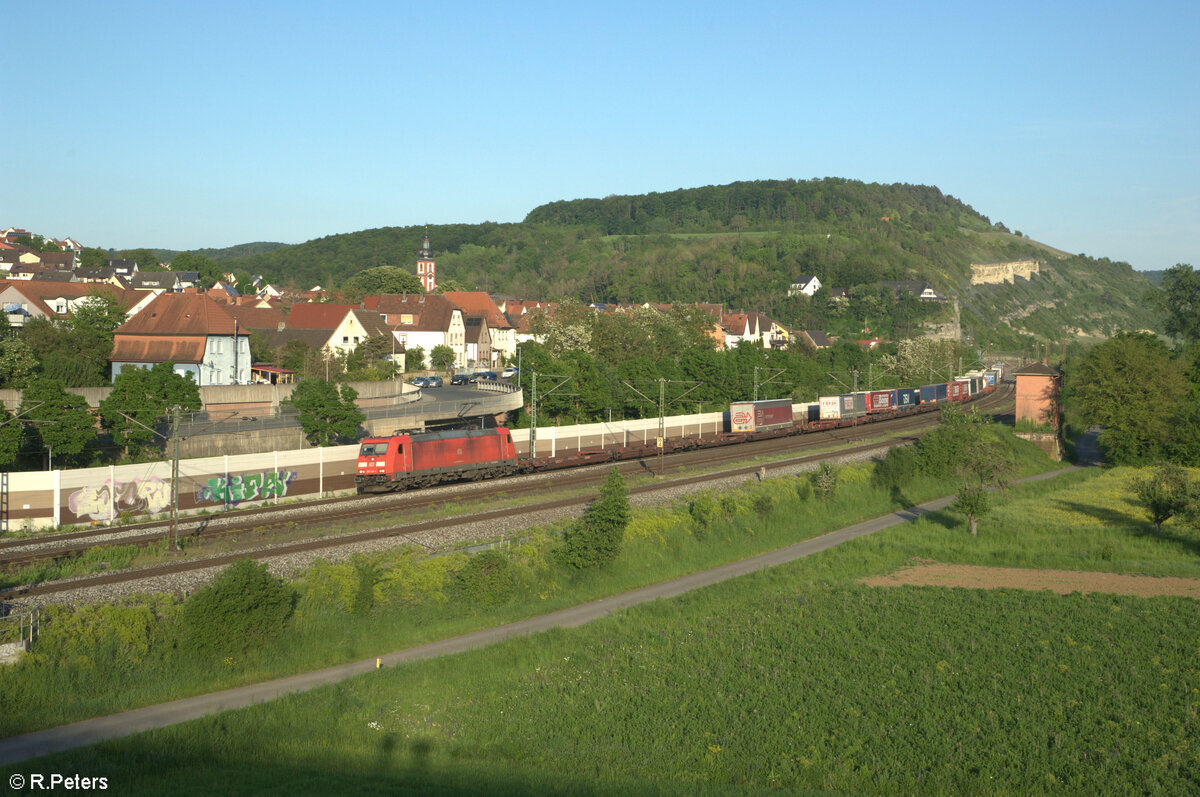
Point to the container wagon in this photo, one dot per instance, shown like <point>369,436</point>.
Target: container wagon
<point>761,416</point>
<point>959,390</point>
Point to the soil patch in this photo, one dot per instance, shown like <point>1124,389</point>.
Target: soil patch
<point>936,574</point>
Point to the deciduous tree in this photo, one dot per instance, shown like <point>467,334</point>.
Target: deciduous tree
<point>1131,386</point>
<point>10,437</point>
<point>56,419</point>
<point>441,357</point>
<point>139,398</point>
<point>381,279</point>
<point>1179,301</point>
<point>1164,492</point>
<point>17,363</point>
<point>327,412</point>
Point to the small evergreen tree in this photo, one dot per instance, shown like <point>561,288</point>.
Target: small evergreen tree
<point>595,541</point>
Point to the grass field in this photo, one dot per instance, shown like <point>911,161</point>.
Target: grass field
<point>799,678</point>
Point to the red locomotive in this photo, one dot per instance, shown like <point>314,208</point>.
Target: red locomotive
<point>419,460</point>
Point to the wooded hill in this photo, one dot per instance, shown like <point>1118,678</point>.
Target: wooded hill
<point>741,245</point>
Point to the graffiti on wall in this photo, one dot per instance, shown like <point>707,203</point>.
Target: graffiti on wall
<point>245,487</point>
<point>107,501</point>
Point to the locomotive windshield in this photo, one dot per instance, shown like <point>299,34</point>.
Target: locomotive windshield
<point>373,449</point>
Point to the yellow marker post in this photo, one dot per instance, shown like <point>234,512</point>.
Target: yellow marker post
<point>378,662</point>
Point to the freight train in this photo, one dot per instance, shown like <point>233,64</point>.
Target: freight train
<point>421,460</point>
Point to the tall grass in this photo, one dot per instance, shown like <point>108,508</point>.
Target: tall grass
<point>796,678</point>
<point>68,679</point>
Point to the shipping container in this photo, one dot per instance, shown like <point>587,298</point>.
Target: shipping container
<point>976,384</point>
<point>989,379</point>
<point>959,390</point>
<point>907,397</point>
<point>933,393</point>
<point>811,412</point>
<point>880,400</point>
<point>760,416</point>
<point>831,407</point>
<point>860,404</point>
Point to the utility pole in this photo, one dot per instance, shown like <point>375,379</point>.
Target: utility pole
<point>662,403</point>
<point>174,535</point>
<point>533,408</point>
<point>662,422</point>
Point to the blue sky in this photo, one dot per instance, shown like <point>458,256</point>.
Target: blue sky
<point>187,125</point>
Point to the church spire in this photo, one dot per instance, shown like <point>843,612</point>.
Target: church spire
<point>426,266</point>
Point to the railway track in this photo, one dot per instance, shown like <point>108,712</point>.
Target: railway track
<point>318,515</point>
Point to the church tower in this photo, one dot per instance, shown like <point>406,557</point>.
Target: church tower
<point>426,266</point>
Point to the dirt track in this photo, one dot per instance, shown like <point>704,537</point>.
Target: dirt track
<point>936,574</point>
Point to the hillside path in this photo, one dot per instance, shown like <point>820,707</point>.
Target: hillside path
<point>85,732</point>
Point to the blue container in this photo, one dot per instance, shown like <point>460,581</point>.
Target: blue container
<point>933,393</point>
<point>906,397</point>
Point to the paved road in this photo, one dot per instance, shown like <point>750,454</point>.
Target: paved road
<point>80,734</point>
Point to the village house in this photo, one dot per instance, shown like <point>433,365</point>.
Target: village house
<point>191,331</point>
<point>346,325</point>
<point>479,344</point>
<point>26,299</point>
<point>806,284</point>
<point>502,333</point>
<point>425,321</point>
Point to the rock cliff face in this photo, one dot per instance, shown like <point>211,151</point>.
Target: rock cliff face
<point>996,273</point>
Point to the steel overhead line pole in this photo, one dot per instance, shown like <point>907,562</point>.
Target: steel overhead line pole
<point>662,402</point>
<point>533,408</point>
<point>174,535</point>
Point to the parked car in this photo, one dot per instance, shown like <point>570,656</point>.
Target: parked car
<point>433,381</point>
<point>490,376</point>
<point>419,381</point>
<point>461,379</point>
<point>508,373</point>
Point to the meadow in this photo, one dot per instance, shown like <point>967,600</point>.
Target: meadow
<point>798,678</point>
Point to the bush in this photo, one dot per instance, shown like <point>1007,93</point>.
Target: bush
<point>488,579</point>
<point>243,606</point>
<point>804,489</point>
<point>897,469</point>
<point>705,511</point>
<point>825,480</point>
<point>117,634</point>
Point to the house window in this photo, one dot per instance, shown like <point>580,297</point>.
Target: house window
<point>402,338</point>
<point>345,338</point>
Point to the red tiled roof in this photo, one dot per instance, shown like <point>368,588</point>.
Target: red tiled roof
<point>430,311</point>
<point>478,303</point>
<point>180,314</point>
<point>263,318</point>
<point>140,349</point>
<point>318,316</point>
